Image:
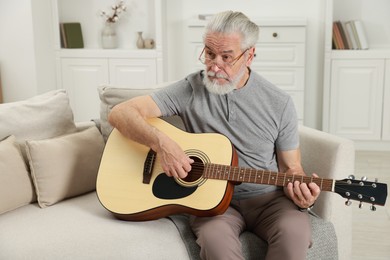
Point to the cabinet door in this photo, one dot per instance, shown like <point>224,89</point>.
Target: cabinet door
<point>286,78</point>
<point>277,55</point>
<point>291,80</point>
<point>81,78</point>
<point>386,105</point>
<point>135,72</point>
<point>356,99</point>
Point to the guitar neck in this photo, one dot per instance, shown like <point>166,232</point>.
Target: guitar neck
<point>239,174</point>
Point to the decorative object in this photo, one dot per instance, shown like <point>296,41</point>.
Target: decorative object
<point>109,39</point>
<point>149,43</point>
<point>118,10</point>
<point>109,36</point>
<point>140,41</point>
<point>71,35</point>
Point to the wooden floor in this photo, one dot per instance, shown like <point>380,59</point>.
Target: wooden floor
<point>371,230</point>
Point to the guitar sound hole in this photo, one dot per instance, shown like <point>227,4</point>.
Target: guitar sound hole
<point>196,172</point>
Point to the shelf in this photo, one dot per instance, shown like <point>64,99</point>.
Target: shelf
<point>360,54</point>
<point>141,15</point>
<point>109,53</point>
<point>373,15</point>
<point>263,21</point>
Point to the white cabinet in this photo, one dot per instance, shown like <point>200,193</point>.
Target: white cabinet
<point>280,54</point>
<point>132,72</point>
<point>82,76</point>
<point>357,82</point>
<point>356,99</point>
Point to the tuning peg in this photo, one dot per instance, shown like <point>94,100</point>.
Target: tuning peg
<point>348,203</point>
<point>360,205</point>
<point>351,177</point>
<point>374,183</point>
<point>364,178</point>
<point>372,207</point>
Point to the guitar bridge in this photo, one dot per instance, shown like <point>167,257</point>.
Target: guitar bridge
<point>148,166</point>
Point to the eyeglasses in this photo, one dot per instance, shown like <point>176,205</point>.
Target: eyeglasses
<point>210,57</point>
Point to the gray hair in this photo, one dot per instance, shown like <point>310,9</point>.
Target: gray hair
<point>234,22</point>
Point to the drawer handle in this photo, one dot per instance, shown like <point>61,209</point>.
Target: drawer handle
<point>275,34</point>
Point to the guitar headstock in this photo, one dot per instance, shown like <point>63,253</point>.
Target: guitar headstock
<point>374,193</point>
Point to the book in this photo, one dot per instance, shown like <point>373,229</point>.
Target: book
<point>338,39</point>
<point>349,35</point>
<point>348,29</point>
<point>342,37</point>
<point>346,35</point>
<point>63,36</point>
<point>334,37</point>
<point>342,34</point>
<point>334,43</point>
<point>361,35</point>
<point>71,35</point>
<point>355,35</point>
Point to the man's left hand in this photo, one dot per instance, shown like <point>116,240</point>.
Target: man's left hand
<point>302,194</point>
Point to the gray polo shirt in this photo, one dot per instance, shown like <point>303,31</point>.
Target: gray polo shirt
<point>258,119</point>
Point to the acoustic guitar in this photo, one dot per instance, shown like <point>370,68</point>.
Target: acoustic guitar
<point>132,185</point>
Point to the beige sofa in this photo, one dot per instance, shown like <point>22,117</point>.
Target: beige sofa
<point>49,208</point>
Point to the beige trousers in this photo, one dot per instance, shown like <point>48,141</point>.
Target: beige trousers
<point>273,217</point>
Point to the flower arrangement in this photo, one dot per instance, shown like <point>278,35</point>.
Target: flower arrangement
<point>118,9</point>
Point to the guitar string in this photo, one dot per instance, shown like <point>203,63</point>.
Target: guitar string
<point>198,171</point>
<point>198,168</point>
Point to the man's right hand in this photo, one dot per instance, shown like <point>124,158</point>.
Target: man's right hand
<point>129,118</point>
<point>173,160</point>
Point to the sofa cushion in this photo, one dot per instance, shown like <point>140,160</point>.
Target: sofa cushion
<point>81,229</point>
<point>65,166</point>
<point>15,184</point>
<point>40,117</point>
<point>111,96</point>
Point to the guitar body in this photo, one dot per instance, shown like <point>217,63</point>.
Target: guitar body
<point>120,182</point>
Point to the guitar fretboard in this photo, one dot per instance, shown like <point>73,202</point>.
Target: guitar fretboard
<point>239,174</point>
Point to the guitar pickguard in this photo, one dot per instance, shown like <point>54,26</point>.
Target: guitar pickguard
<point>165,187</point>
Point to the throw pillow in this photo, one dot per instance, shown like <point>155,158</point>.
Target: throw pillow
<point>16,189</point>
<point>65,166</point>
<point>111,96</point>
<point>43,116</point>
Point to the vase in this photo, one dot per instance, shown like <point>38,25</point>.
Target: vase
<point>109,38</point>
<point>149,43</point>
<point>140,41</point>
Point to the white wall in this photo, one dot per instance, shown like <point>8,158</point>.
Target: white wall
<point>17,50</point>
<point>43,29</point>
<point>179,11</point>
<point>27,63</point>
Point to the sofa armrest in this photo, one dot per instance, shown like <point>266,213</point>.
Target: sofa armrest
<point>330,157</point>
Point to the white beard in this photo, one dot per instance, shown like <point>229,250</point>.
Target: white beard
<point>222,89</point>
